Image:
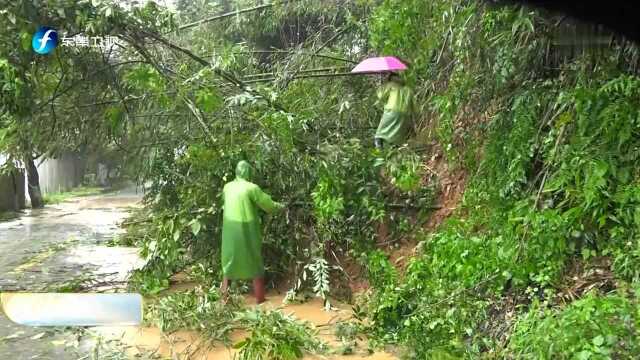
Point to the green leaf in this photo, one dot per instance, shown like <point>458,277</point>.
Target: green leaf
<point>195,227</point>
<point>598,340</point>
<point>115,115</point>
<point>25,40</point>
<point>239,344</point>
<point>584,354</point>
<point>207,100</point>
<point>586,253</point>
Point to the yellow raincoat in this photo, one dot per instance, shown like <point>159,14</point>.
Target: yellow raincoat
<point>394,123</point>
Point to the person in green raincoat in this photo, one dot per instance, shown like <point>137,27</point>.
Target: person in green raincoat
<point>241,231</point>
<point>395,119</point>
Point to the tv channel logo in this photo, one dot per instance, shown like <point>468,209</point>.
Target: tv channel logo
<point>44,40</point>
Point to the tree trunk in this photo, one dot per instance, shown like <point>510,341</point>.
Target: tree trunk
<point>33,183</point>
<point>16,191</point>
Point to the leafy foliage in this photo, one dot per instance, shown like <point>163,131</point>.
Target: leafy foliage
<point>594,327</point>
<point>275,336</point>
<point>199,309</point>
<point>551,156</point>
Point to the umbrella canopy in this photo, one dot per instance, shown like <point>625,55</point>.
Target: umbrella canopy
<point>379,64</point>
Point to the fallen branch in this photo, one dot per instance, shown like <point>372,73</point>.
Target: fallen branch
<point>223,16</point>
<point>81,81</point>
<point>460,291</point>
<point>317,51</point>
<point>198,115</point>
<point>305,77</point>
<point>393,206</point>
<point>306,71</point>
<point>219,72</point>
<point>278,51</point>
<point>225,75</point>
<point>149,219</point>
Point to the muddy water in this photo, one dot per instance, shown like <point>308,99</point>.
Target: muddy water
<point>44,249</point>
<point>189,345</point>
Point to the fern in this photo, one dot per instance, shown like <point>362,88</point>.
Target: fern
<point>319,272</point>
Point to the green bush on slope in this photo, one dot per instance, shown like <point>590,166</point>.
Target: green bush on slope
<point>594,327</point>
<point>554,178</point>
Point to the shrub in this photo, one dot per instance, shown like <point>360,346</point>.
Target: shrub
<point>275,336</point>
<point>199,309</point>
<point>594,327</point>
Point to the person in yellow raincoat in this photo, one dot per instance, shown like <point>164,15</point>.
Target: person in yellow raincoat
<point>241,231</point>
<point>394,124</point>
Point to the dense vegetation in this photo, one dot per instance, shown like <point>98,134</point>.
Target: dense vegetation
<point>539,260</point>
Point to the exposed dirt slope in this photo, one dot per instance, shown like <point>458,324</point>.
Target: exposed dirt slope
<point>451,184</point>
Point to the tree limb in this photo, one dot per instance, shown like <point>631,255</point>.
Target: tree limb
<point>222,16</point>
<point>78,82</point>
<point>198,114</point>
<point>279,51</point>
<point>224,74</point>
<point>317,51</point>
<point>306,76</point>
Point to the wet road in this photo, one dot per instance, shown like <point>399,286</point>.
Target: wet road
<point>49,248</point>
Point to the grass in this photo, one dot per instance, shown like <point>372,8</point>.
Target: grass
<point>56,198</point>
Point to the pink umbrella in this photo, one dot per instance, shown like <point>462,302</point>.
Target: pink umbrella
<point>379,64</point>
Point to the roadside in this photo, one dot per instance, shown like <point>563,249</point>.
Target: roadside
<point>62,248</point>
<point>58,197</point>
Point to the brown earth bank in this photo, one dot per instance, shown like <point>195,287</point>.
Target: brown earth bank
<point>451,184</point>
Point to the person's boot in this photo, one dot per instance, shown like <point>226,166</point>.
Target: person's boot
<point>259,290</point>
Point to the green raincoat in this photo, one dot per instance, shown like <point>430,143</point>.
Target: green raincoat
<point>241,232</point>
<point>394,123</point>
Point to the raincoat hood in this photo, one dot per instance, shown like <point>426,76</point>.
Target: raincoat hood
<point>243,171</point>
